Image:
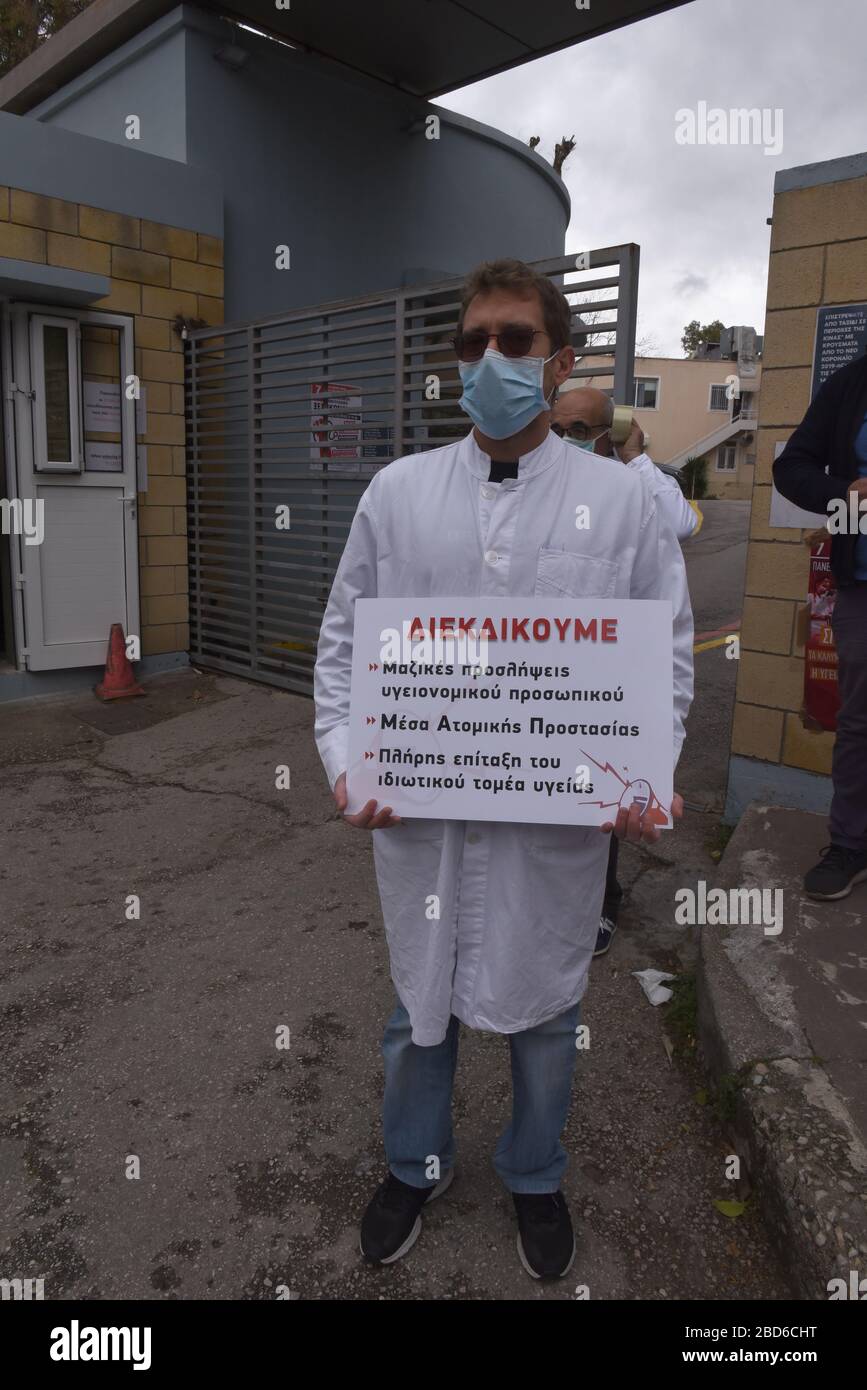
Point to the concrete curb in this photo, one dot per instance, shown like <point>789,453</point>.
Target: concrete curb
<point>779,1040</point>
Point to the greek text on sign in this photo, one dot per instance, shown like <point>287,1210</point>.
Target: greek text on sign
<point>550,711</point>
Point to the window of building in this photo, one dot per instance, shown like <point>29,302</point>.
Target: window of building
<point>101,357</point>
<point>718,399</point>
<point>726,458</point>
<point>646,393</point>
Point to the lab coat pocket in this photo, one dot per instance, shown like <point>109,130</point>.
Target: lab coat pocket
<point>565,573</point>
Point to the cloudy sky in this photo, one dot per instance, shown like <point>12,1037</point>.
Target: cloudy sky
<point>698,212</point>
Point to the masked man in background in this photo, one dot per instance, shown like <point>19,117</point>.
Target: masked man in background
<point>584,416</point>
<point>492,515</point>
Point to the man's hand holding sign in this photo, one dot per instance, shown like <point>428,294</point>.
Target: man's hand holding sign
<point>631,824</point>
<point>369,817</point>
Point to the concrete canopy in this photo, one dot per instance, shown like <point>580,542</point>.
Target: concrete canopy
<point>422,47</point>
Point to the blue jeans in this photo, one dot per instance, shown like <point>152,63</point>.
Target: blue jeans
<point>417,1107</point>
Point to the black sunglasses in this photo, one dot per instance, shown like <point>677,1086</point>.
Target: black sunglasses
<point>512,342</point>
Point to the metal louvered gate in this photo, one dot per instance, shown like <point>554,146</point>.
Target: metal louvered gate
<point>289,417</point>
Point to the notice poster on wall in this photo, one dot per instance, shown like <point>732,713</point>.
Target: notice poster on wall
<point>377,449</point>
<point>549,711</point>
<point>335,426</point>
<point>841,336</point>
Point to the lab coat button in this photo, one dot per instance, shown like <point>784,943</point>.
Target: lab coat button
<point>491,557</point>
<point>487,492</point>
<point>473,838</point>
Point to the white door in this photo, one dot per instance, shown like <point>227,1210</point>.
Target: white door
<point>75,454</point>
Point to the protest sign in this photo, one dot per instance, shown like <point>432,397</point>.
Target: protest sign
<point>550,711</point>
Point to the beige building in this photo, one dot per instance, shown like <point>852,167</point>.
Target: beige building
<point>682,404</point>
<point>818,257</point>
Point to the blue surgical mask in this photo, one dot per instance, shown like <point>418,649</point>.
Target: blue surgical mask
<point>588,444</point>
<point>502,395</point>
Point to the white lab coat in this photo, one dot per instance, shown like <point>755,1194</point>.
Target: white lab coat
<point>668,495</point>
<point>665,490</point>
<point>519,904</point>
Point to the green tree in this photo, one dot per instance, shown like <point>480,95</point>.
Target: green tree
<point>25,24</point>
<point>696,333</point>
<point>693,477</point>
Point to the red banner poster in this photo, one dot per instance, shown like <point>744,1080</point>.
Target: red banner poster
<point>821,693</point>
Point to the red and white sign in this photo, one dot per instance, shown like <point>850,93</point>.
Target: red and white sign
<point>550,711</point>
<point>335,423</point>
<point>821,689</point>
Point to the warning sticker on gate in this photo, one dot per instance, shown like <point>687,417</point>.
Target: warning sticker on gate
<point>549,711</point>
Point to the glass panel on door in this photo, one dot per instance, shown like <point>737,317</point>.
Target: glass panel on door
<point>101,388</point>
<point>58,405</point>
<point>56,412</point>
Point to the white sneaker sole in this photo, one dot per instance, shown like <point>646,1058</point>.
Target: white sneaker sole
<point>532,1272</point>
<point>442,1186</point>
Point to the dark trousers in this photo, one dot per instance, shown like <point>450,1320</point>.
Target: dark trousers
<point>848,822</point>
<point>613,891</point>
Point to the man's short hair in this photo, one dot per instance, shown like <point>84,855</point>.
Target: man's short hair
<point>522,279</point>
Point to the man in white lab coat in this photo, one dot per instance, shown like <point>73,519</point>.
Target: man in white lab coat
<point>519,905</point>
<point>584,416</point>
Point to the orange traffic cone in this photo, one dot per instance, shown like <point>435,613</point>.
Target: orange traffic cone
<point>119,679</point>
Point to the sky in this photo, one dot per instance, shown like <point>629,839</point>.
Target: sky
<point>697,211</point>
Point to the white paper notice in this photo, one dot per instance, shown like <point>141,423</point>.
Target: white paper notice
<point>102,407</point>
<point>103,458</point>
<point>551,711</point>
<point>788,516</point>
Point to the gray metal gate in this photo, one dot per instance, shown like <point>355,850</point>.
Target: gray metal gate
<point>298,411</point>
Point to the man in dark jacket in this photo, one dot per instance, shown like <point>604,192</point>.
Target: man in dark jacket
<point>824,464</point>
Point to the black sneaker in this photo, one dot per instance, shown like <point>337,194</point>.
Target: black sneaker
<point>391,1225</point>
<point>837,873</point>
<point>546,1242</point>
<point>604,936</point>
